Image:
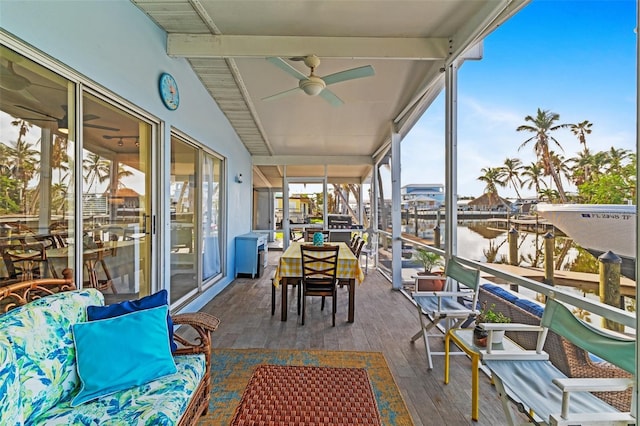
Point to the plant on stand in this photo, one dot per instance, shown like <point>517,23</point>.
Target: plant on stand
<point>489,315</point>
<point>429,260</point>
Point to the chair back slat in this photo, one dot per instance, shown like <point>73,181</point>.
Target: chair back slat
<point>468,277</point>
<point>319,262</point>
<point>617,350</point>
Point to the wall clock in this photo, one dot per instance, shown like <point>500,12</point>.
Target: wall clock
<point>169,91</point>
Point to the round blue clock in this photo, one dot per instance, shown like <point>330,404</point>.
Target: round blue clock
<point>169,91</point>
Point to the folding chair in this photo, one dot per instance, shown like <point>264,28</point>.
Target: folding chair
<point>542,392</point>
<point>451,308</point>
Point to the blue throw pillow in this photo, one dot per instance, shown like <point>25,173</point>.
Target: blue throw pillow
<point>152,301</point>
<point>118,353</point>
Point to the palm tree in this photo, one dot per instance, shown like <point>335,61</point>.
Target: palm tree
<point>541,126</point>
<point>581,130</point>
<point>615,158</point>
<point>511,173</point>
<point>23,161</point>
<point>492,178</point>
<point>583,167</point>
<point>95,168</point>
<point>533,176</point>
<point>549,194</point>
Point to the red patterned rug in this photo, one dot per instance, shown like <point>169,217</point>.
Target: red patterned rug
<point>321,396</point>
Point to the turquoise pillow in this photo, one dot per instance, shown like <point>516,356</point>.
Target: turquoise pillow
<point>116,309</point>
<point>119,353</point>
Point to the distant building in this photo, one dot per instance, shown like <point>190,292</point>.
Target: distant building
<point>424,195</point>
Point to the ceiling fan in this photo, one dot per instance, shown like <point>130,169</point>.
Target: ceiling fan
<point>11,80</point>
<point>313,85</point>
<point>63,122</point>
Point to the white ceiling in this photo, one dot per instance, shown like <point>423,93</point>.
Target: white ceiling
<point>406,42</point>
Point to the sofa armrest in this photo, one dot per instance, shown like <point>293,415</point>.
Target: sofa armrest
<point>203,324</point>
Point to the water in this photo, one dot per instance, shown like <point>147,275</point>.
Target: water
<point>480,241</point>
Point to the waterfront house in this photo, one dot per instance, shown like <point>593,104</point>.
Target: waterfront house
<point>196,107</point>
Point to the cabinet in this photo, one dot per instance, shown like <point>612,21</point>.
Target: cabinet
<point>248,247</point>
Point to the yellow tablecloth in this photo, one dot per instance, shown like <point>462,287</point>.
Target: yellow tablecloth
<point>291,264</point>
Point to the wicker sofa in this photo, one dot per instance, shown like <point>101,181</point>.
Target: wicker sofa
<point>568,358</point>
<point>39,364</point>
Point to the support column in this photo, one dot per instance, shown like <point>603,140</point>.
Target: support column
<point>451,159</point>
<point>396,219</point>
<point>285,209</point>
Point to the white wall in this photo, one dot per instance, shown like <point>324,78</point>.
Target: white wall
<point>117,46</point>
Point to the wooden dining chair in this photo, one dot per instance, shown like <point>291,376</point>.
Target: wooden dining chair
<point>319,268</point>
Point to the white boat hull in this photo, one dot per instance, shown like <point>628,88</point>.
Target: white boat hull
<point>596,227</point>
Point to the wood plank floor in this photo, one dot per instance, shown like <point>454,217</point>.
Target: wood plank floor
<point>385,320</point>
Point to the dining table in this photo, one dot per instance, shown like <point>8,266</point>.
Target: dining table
<point>290,269</point>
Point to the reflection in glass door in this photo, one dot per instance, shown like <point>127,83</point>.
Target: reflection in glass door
<point>184,181</point>
<point>116,200</point>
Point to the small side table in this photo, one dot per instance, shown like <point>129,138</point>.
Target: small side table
<point>463,338</point>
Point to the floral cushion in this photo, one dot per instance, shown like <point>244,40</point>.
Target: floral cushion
<point>160,402</point>
<point>10,402</point>
<point>41,338</point>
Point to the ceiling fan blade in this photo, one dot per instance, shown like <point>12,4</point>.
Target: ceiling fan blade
<point>282,94</point>
<point>366,71</point>
<point>89,117</point>
<point>283,65</point>
<point>331,97</point>
<point>37,119</point>
<point>97,126</point>
<point>37,112</point>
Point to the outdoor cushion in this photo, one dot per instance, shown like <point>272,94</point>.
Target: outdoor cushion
<point>10,402</point>
<point>501,292</point>
<point>40,335</point>
<point>118,353</point>
<point>152,301</point>
<point>160,402</point>
<point>530,306</point>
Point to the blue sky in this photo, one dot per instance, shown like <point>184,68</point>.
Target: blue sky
<point>576,58</point>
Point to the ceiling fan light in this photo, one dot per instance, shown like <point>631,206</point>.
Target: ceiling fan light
<point>312,86</point>
<point>63,130</point>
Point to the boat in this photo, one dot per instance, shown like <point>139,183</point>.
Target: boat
<point>598,228</point>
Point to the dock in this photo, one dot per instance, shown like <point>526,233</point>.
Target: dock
<point>582,280</point>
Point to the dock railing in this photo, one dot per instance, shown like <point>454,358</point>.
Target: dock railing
<point>410,268</point>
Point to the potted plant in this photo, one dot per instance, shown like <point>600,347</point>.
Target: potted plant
<point>488,315</point>
<point>429,260</point>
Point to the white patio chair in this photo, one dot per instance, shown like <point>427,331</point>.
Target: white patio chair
<point>530,383</point>
<point>451,308</point>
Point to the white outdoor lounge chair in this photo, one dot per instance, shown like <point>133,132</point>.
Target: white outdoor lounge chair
<point>454,306</point>
<point>529,382</point>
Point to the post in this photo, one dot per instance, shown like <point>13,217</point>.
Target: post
<point>436,236</point>
<point>609,289</point>
<point>513,252</point>
<point>415,212</point>
<point>549,244</point>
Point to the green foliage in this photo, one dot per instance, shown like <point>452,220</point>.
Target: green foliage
<point>487,314</point>
<point>428,258</point>
<point>607,189</point>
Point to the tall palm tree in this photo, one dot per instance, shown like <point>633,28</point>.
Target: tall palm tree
<point>541,126</point>
<point>511,173</point>
<point>581,130</point>
<point>533,176</point>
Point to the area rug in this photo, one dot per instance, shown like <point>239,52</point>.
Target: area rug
<point>303,395</point>
<point>231,370</point>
